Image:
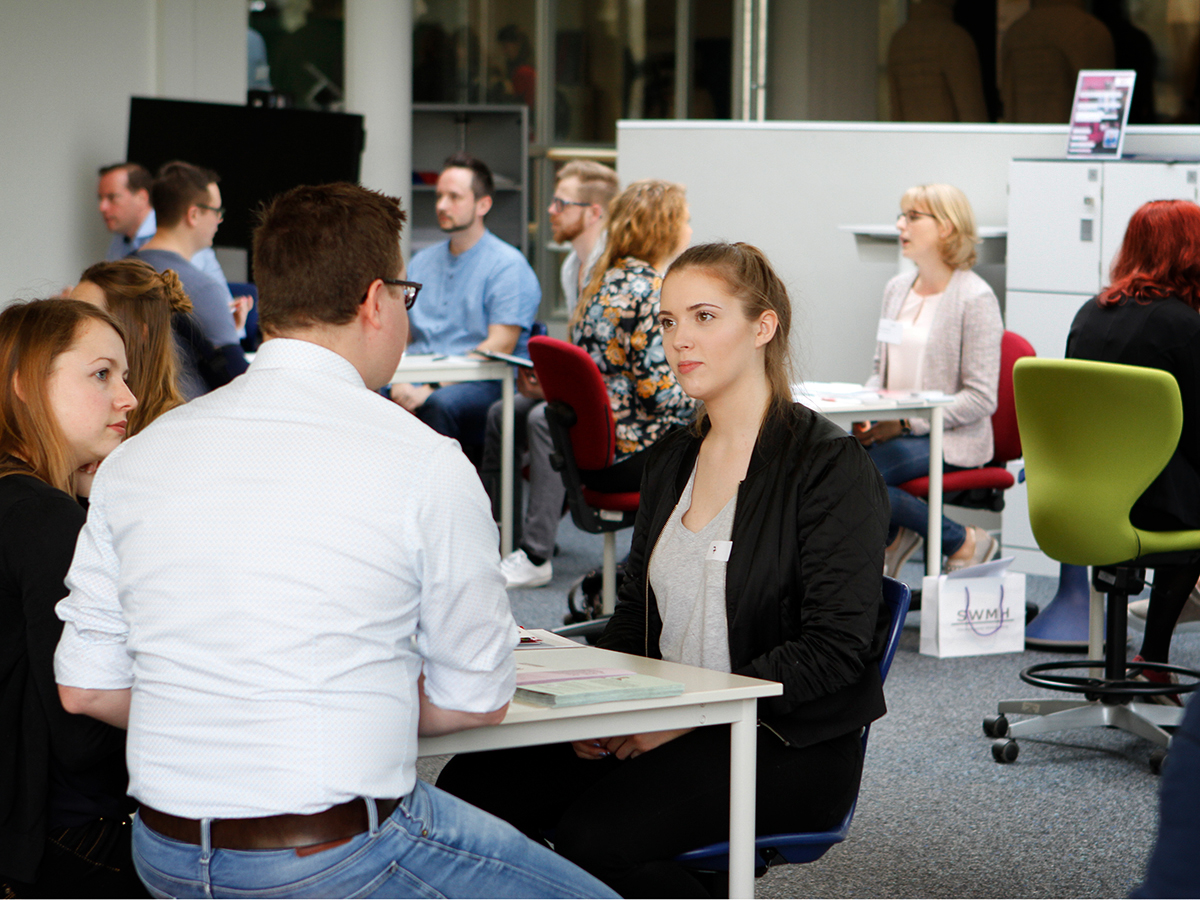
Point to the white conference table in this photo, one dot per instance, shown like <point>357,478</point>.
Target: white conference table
<point>845,408</point>
<point>708,698</point>
<point>421,368</point>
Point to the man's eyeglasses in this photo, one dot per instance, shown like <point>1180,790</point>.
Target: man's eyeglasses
<point>558,204</point>
<point>219,210</point>
<point>911,215</point>
<point>411,289</point>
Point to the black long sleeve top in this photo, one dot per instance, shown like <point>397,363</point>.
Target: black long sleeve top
<point>56,769</point>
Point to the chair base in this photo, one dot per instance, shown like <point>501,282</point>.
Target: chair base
<point>1111,697</point>
<point>1146,720</point>
<point>1063,624</point>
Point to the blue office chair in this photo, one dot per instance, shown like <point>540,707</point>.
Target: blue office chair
<point>808,846</point>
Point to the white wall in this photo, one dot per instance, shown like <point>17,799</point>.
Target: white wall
<point>787,186</point>
<point>67,71</point>
<point>376,31</point>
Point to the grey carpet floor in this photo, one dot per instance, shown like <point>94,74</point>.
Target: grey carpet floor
<point>1074,816</point>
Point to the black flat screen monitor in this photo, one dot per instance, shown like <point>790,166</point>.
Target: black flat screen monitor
<point>259,152</point>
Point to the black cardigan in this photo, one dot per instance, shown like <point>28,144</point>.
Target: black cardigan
<point>1158,334</point>
<point>55,768</point>
<point>803,588</point>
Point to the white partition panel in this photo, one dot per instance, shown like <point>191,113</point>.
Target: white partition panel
<point>787,186</point>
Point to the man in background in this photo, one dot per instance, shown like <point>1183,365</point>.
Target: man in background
<point>578,215</point>
<point>479,293</point>
<point>124,198</point>
<point>187,206</point>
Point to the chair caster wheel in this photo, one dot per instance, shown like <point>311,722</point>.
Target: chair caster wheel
<point>1158,759</point>
<point>995,726</point>
<point>1004,751</point>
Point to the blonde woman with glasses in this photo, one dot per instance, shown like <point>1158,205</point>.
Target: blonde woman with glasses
<point>940,330</point>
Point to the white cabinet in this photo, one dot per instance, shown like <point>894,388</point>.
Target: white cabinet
<point>1129,185</point>
<point>1066,222</point>
<point>1053,226</point>
<point>1043,318</point>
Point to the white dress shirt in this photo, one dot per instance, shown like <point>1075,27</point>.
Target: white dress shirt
<point>269,567</point>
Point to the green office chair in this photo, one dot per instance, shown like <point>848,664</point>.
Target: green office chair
<point>1095,435</point>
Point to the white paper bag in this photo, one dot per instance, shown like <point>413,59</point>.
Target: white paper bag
<point>973,612</point>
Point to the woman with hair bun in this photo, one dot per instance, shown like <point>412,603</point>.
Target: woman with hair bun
<point>795,596</point>
<point>940,331</point>
<point>64,406</point>
<point>144,302</point>
<point>1149,315</point>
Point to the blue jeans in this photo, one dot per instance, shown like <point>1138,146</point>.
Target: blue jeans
<point>900,460</point>
<point>460,410</point>
<point>433,845</point>
<point>1174,868</point>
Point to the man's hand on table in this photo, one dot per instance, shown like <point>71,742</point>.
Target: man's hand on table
<point>410,396</point>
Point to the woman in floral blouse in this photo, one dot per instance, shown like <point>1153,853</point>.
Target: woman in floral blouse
<point>616,320</point>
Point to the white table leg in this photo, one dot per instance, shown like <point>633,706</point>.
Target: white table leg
<point>743,762</point>
<point>933,539</point>
<point>507,394</point>
<point>1096,616</point>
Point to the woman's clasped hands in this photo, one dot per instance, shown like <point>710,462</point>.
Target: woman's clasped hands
<point>625,746</point>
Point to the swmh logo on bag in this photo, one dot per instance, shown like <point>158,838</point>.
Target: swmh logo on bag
<point>983,620</point>
<point>966,615</point>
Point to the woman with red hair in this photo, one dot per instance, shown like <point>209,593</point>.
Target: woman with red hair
<point>1150,316</point>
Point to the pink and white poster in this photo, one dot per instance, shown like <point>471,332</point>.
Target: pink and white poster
<point>1099,113</point>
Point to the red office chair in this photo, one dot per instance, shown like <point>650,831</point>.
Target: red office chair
<point>585,438</point>
<point>984,488</point>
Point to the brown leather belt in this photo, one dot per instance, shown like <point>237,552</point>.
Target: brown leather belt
<point>285,832</point>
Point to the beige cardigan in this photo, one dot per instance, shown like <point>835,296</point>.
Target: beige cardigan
<point>962,357</point>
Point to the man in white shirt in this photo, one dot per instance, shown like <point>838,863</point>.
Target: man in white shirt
<point>282,583</point>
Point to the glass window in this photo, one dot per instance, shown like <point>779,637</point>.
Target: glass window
<point>612,59</point>
<point>304,43</point>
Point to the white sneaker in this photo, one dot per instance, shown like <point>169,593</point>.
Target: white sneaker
<point>520,572</point>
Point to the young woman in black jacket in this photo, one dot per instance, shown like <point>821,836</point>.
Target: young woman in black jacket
<point>758,550</point>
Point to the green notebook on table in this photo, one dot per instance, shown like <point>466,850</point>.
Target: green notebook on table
<point>575,687</point>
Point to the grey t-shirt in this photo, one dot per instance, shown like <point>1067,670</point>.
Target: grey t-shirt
<point>210,298</point>
<point>687,572</point>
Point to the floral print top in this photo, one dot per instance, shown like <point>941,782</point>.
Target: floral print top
<point>619,329</point>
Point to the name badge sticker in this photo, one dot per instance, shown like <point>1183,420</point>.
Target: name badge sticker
<point>719,551</point>
<point>890,331</point>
